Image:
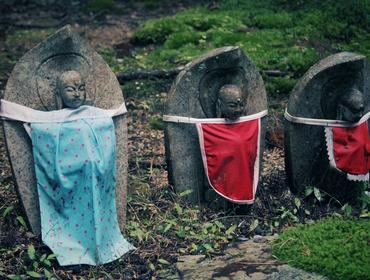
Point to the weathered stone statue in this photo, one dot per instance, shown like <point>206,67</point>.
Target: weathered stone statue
<point>71,170</point>
<point>230,103</point>
<point>325,109</point>
<point>351,105</point>
<point>71,90</point>
<point>209,107</point>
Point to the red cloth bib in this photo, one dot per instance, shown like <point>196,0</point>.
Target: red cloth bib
<point>349,150</point>
<point>230,153</point>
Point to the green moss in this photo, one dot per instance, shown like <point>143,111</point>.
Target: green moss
<point>279,85</point>
<point>96,6</point>
<point>274,34</point>
<point>156,123</point>
<point>273,19</point>
<point>157,31</point>
<point>334,247</point>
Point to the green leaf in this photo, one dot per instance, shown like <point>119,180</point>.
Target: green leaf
<point>230,230</point>
<point>15,277</point>
<point>178,209</point>
<point>167,228</point>
<point>194,247</point>
<point>317,194</point>
<point>185,193</point>
<point>151,266</point>
<point>208,247</point>
<point>307,212</point>
<point>181,233</point>
<point>347,209</point>
<point>7,210</point>
<point>52,256</point>
<point>162,261</point>
<point>43,257</point>
<point>21,221</point>
<point>34,274</point>
<point>47,273</point>
<point>253,225</point>
<point>31,252</point>
<point>107,274</point>
<point>219,224</point>
<point>297,202</point>
<point>309,191</point>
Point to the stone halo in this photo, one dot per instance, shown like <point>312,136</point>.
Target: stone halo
<point>213,81</point>
<point>48,71</point>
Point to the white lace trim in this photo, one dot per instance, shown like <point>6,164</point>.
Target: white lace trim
<point>330,151</point>
<point>360,177</point>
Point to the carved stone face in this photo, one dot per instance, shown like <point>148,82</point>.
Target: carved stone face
<point>351,106</point>
<point>230,102</point>
<point>71,89</point>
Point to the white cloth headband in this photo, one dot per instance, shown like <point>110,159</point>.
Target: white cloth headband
<point>179,119</point>
<point>14,111</point>
<point>325,122</point>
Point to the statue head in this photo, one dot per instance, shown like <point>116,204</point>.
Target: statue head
<point>351,105</point>
<point>71,90</point>
<point>230,102</point>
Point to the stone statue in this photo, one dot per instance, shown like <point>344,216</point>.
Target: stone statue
<point>351,105</point>
<point>336,88</point>
<point>225,86</point>
<point>71,90</point>
<point>230,102</point>
<point>53,83</point>
<point>63,63</point>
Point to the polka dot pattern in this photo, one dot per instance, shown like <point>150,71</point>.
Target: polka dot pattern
<point>75,169</point>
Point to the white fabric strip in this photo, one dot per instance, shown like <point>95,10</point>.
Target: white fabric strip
<point>13,111</point>
<point>179,119</point>
<point>325,122</point>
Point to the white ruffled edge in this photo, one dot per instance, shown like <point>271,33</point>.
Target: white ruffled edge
<point>330,152</point>
<point>330,146</point>
<point>360,178</point>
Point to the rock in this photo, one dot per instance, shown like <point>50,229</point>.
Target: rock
<point>259,239</point>
<point>195,94</point>
<point>316,96</point>
<point>245,260</point>
<point>32,84</point>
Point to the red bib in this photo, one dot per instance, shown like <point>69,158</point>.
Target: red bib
<point>230,153</point>
<point>349,150</point>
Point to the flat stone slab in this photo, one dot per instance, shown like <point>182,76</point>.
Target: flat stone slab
<point>33,83</point>
<point>194,94</point>
<point>315,96</point>
<point>250,259</point>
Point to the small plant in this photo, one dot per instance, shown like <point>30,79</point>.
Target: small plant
<point>36,266</point>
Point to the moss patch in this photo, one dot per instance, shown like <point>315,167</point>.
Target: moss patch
<point>338,248</point>
<point>285,35</point>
